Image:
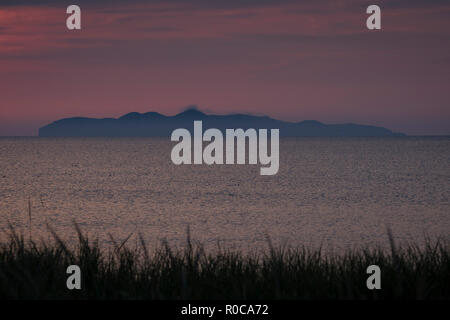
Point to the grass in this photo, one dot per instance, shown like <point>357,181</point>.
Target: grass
<point>37,270</point>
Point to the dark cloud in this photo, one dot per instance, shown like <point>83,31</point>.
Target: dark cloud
<point>412,3</point>
<point>200,3</point>
<point>229,3</point>
<point>304,6</point>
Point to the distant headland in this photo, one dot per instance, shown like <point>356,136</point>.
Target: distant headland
<point>154,124</point>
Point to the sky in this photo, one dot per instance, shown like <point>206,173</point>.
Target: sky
<point>291,60</point>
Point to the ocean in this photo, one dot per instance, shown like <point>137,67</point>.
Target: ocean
<point>334,193</point>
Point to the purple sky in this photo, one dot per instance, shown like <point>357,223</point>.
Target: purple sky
<point>291,60</point>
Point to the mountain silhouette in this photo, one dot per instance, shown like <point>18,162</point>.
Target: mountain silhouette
<point>154,124</point>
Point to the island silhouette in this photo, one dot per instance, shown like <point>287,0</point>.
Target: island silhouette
<point>154,124</point>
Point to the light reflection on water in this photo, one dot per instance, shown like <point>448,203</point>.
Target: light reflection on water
<point>335,192</point>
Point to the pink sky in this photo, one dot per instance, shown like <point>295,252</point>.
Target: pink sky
<point>290,60</point>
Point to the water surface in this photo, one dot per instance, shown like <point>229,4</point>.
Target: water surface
<point>335,192</point>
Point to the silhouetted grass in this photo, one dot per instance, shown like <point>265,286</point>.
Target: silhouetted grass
<point>31,270</point>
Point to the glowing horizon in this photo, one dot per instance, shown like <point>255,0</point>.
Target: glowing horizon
<point>285,59</point>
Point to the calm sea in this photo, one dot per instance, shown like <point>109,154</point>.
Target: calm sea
<point>332,192</point>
